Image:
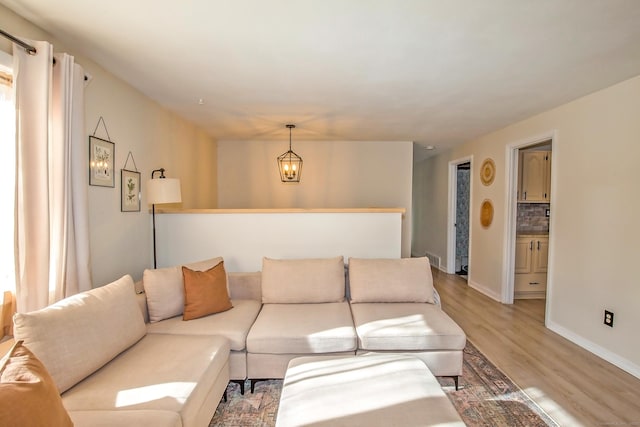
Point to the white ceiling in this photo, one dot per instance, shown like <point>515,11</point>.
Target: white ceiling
<point>437,72</point>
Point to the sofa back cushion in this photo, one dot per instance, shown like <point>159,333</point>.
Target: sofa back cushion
<point>78,335</point>
<point>390,280</point>
<point>164,288</point>
<point>297,281</point>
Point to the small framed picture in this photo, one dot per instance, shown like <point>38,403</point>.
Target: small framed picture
<point>130,189</point>
<point>102,156</point>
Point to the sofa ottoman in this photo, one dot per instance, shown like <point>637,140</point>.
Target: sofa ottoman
<point>369,390</point>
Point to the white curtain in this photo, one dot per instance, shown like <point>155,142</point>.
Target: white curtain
<point>52,237</point>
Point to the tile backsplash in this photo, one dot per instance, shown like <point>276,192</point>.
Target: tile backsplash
<point>532,217</point>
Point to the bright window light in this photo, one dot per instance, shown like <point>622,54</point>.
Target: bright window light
<point>7,175</point>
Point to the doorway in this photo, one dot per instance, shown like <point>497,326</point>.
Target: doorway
<point>459,228</point>
<point>529,221</point>
<point>463,180</point>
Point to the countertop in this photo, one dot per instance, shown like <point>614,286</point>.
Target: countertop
<point>531,233</point>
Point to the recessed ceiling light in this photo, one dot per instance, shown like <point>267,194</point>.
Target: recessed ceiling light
<point>430,147</point>
<point>200,101</point>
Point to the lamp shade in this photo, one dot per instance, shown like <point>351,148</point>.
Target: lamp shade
<point>163,190</point>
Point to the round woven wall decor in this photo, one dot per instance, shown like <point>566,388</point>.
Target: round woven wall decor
<point>487,171</point>
<point>486,213</point>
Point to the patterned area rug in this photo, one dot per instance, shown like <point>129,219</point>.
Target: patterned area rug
<point>486,397</point>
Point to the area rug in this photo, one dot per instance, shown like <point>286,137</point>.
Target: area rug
<point>486,397</point>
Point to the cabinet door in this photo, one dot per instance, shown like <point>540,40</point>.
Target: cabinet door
<point>523,255</point>
<point>533,184</point>
<point>541,255</point>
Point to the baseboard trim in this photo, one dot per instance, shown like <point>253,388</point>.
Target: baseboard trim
<point>444,270</point>
<point>620,362</point>
<point>529,294</point>
<point>484,290</point>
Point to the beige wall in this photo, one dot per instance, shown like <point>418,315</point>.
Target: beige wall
<point>336,174</point>
<point>121,243</point>
<point>594,217</point>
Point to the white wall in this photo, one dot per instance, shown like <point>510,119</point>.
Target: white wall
<point>594,225</point>
<point>121,242</point>
<point>243,239</point>
<point>336,174</point>
<point>429,213</point>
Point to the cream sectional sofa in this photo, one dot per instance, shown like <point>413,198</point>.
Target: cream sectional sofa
<point>122,355</point>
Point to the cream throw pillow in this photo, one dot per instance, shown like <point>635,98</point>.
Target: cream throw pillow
<point>164,289</point>
<point>28,395</point>
<point>295,281</point>
<point>390,280</point>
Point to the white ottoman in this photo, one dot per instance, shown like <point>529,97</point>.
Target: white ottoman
<point>368,390</point>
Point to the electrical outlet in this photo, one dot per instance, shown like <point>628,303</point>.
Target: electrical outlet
<point>608,318</point>
<point>547,212</point>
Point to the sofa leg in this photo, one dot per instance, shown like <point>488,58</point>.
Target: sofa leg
<point>455,379</point>
<point>253,383</point>
<point>241,384</point>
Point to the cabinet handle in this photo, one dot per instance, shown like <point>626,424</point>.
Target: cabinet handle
<point>538,244</point>
<point>531,245</point>
<point>524,195</point>
<point>534,283</point>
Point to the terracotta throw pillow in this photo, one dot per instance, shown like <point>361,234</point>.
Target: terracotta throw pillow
<point>28,395</point>
<point>205,292</point>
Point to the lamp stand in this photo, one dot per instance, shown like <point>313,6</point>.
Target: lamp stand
<point>153,210</point>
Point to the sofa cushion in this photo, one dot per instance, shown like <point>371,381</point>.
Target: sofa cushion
<point>390,280</point>
<point>77,335</point>
<point>406,326</point>
<point>28,395</point>
<point>232,324</point>
<point>161,372</point>
<point>302,329</point>
<point>164,288</point>
<point>294,281</point>
<point>205,292</point>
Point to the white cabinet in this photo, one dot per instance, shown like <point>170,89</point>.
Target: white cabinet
<point>532,253</point>
<point>535,176</point>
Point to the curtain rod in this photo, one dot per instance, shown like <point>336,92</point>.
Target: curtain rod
<point>30,49</point>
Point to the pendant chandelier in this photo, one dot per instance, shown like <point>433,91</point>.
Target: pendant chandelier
<point>289,163</point>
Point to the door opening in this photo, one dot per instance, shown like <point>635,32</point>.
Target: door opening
<point>459,230</point>
<point>463,181</point>
<point>529,219</point>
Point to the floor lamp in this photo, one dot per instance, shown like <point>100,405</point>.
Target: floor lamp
<point>161,190</point>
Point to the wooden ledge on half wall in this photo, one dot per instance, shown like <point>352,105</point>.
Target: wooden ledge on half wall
<point>279,211</point>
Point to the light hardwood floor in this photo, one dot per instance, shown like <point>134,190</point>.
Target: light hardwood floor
<point>575,387</point>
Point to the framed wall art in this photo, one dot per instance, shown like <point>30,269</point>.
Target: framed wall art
<point>102,154</point>
<point>130,191</point>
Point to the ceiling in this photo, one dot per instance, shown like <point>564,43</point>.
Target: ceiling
<point>436,72</point>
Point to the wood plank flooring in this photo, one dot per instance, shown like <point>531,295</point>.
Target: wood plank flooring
<point>575,387</point>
